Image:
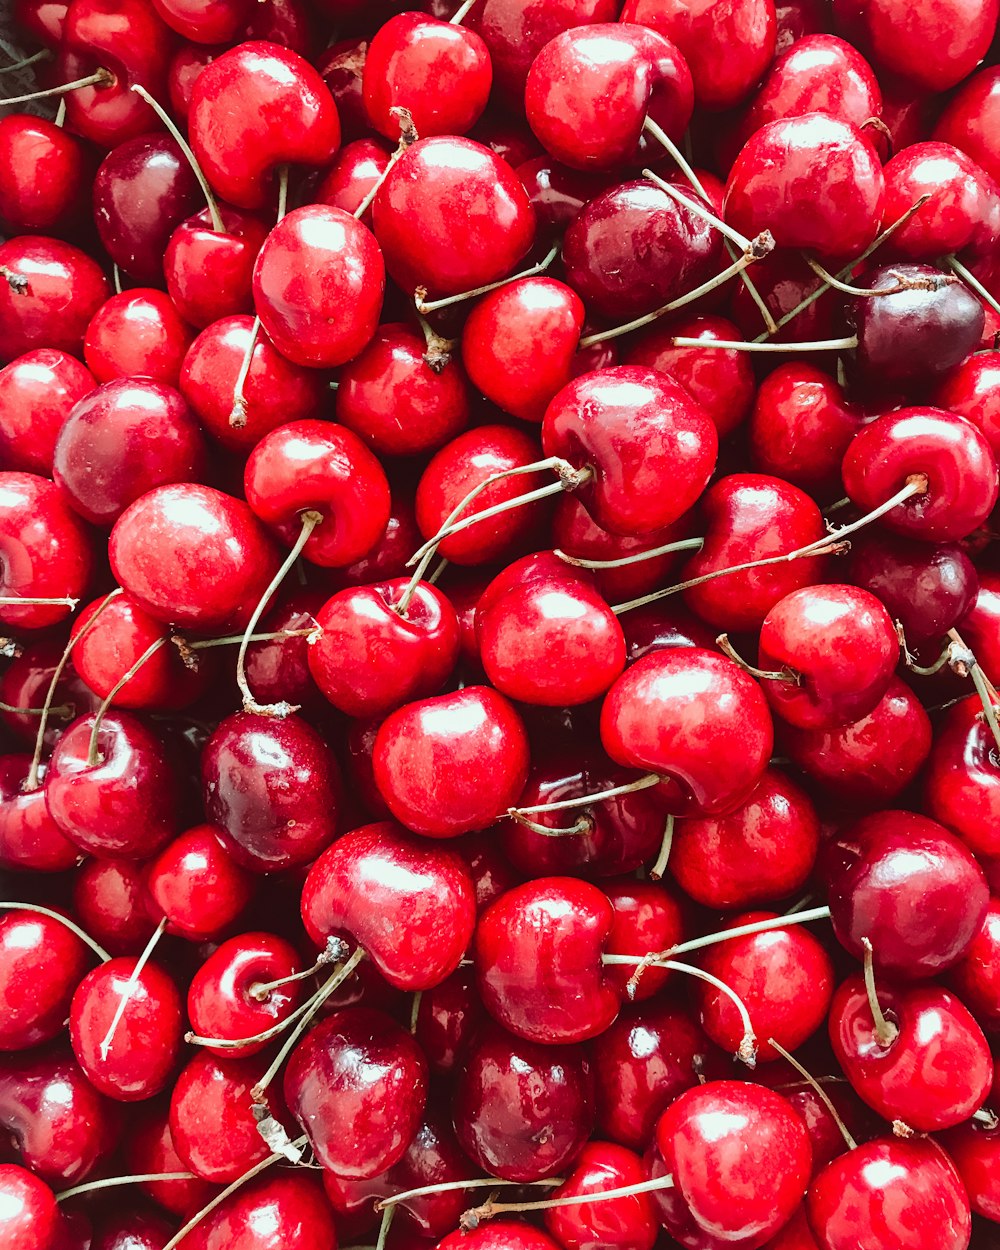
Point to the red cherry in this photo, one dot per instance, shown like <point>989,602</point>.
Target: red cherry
<point>499,1235</point>
<point>42,174</point>
<point>278,668</point>
<point>256,107</point>
<point>130,1230</point>
<point>214,21</point>
<point>29,837</point>
<point>962,778</point>
<point>197,886</point>
<point>353,176</point>
<point>648,917</point>
<point>969,120</point>
<point>56,290</point>
<point>964,204</point>
<point>969,390</point>
<point>558,193</point>
<point>151,1153</point>
<point>42,960</point>
<point>342,68</point>
<point>208,274</point>
<point>628,1223</point>
<point>137,332</point>
<point>111,902</point>
<point>975,977</point>
<point>26,683</point>
<point>286,1211</point>
<point>37,392</point>
<point>973,1149</point>
<point>29,1216</point>
<point>185,66</point>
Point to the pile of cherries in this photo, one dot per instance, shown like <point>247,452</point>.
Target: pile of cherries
<point>499,600</point>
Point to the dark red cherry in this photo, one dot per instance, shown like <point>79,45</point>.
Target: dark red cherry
<point>663,624</point>
<point>784,280</point>
<point>387,559</point>
<point>270,785</point>
<point>197,885</point>
<point>357,1084</point>
<point>25,683</point>
<point>111,902</point>
<point>37,393</point>
<point>408,902</point>
<point>969,390</point>
<point>138,332</point>
<point>973,1149</point>
<point>355,173</point>
<point>342,68</point>
<point>979,623</point>
<point>185,66</point>
<point>522,1111</point>
<point>776,830</point>
<point>205,21</point>
<point>151,1153</point>
<point>448,1017</point>
<point>451,216</point>
<point>962,778</point>
<point>976,976</point>
<point>29,837</point>
<point>629,1223</point>
<point>42,960</point>
<point>969,120</point>
<point>278,668</point>
<point>208,274</point>
<point>499,1235</point>
<point>42,174</point>
<point>254,108</point>
<point>29,1216</point>
<point>557,193</point>
<point>56,290</point>
<point>283,1211</point>
<point>677,712</point>
<point>133,1229</point>
<point>192,556</point>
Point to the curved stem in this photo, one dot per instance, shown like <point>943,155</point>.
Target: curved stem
<point>665,142</point>
<point>846,288</point>
<point>460,14</point>
<point>112,1182</point>
<point>740,345</point>
<point>336,949</point>
<point>238,414</point>
<point>407,137</point>
<point>684,544</point>
<point>762,674</point>
<point>98,950</point>
<point>189,156</point>
<point>666,846</point>
<point>972,282</point>
<point>388,1215</point>
<point>583,825</point>
<point>745,930</point>
<point>100,78</point>
<point>63,712</point>
<point>424,305</point>
<point>93,756</point>
<point>584,800</point>
<point>130,984</point>
<point>471,1220</point>
<point>885,1031</point>
<point>44,55</point>
<point>820,1092</point>
<point>310,519</point>
<point>478,1182</point>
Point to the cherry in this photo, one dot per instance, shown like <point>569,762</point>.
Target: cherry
<point>451,216</point>
<point>29,837</point>
<point>352,179</point>
<point>522,1111</point>
<point>790,178</point>
<point>647,917</point>
<point>41,964</point>
<point>499,1235</point>
<point>972,1148</point>
<point>26,684</point>
<point>323,467</point>
<point>785,282</point>
<point>42,175</point>
<point>558,193</point>
<point>110,900</point>
<point>890,1191</point>
<point>270,786</point>
<point>278,668</point>
<point>122,440</point>
<point>209,273</point>
<point>131,1230</point>
<point>962,210</point>
<point>968,390</point>
<point>962,779</point>
<point>29,1216</point>
<point>370,879</point>
<point>628,1222</point>
<point>219,560</point>
<point>661,625</point>
<point>448,1017</point>
<point>438,71</point>
<point>656,716</point>
<point>387,559</point>
<point>967,122</point>
<point>728,49</point>
<point>113,792</point>
<point>151,1153</point>
<point>776,830</point>
<point>289,23</point>
<point>342,68</point>
<point>749,517</point>
<point>430,754</point>
<point>974,976</point>
<point>870,761</point>
<point>401,399</point>
<point>318,283</point>
<point>274,391</point>
<point>740,1158</point>
<point>287,1211</point>
<point>247,985</point>
<point>357,1084</point>
<point>978,623</point>
<point>185,66</point>
<point>601,419</point>
<point>197,886</point>
<point>217,21</point>
<point>254,108</point>
<point>60,1125</point>
<point>622,75</point>
<point>49,293</point>
<point>43,20</point>
<point>138,332</point>
<point>956,459</point>
<point>128,1056</point>
<point>37,392</point>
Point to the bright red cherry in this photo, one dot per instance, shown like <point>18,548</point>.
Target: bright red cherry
<point>962,778</point>
<point>50,291</point>
<point>205,21</point>
<point>969,120</point>
<point>197,885</point>
<point>209,275</point>
<point>29,837</point>
<point>975,977</point>
<point>969,390</point>
<point>151,1153</point>
<point>499,1235</point>
<point>111,902</point>
<point>37,393</point>
<point>29,1216</point>
<point>138,332</point>
<point>963,208</point>
<point>283,1211</point>
<point>42,961</point>
<point>628,1223</point>
<point>42,174</point>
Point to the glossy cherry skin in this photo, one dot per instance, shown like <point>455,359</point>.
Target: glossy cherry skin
<point>220,557</point>
<point>209,275</point>
<point>286,1211</point>
<point>934,1074</point>
<point>499,1234</point>
<point>727,48</point>
<point>440,72</point>
<point>972,1148</point>
<point>43,174</point>
<point>238,142</point>
<point>29,1216</point>
<point>222,1001</point>
<point>814,181</point>
<point>65,288</point>
<point>958,462</point>
<point>138,332</point>
<point>629,1223</point>
<point>29,837</point>
<point>25,683</point>
<point>975,977</point>
<point>969,391</point>
<point>776,830</point>
<point>870,761</point>
<point>197,886</point>
<point>126,803</point>
<point>963,208</point>
<point>44,551</point>
<point>279,668</point>
<point>563,995</point>
<point>430,754</point>
<point>451,216</point>
<point>558,193</point>
<point>890,1192</point>
<point>126,38</point>
<point>318,284</point>
<point>275,392</point>
<point>656,717</point>
<point>978,625</point>
<point>122,440</point>
<point>968,121</point>
<point>648,916</point>
<point>151,1153</point>
<point>270,785</point>
<point>502,338</point>
<point>137,1228</point>
<point>601,419</point>
<point>357,1084</point>
<point>522,1111</point>
<point>740,1158</point>
<point>962,778</point>
<point>355,173</point>
<point>590,89</point>
<point>396,401</point>
<point>42,960</point>
<point>217,21</point>
<point>37,393</point>
<point>111,903</point>
<point>323,467</point>
<point>409,903</point>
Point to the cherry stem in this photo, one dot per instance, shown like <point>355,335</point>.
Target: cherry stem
<point>334,952</point>
<point>423,305</point>
<point>762,674</point>
<point>699,210</point>
<point>282,194</point>
<point>116,274</point>
<point>418,998</point>
<point>582,825</point>
<point>962,658</point>
<point>947,655</point>
<point>60,116</point>
<point>44,55</point>
<point>319,998</point>
<point>130,985</point>
<point>112,1182</point>
<point>31,781</point>
<point>972,282</point>
<point>684,544</point>
<point>407,137</point>
<point>192,160</point>
<point>101,78</point>
<point>238,414</point>
<point>885,1031</point>
<point>479,1182</point>
<point>63,712</point>
<point>471,1219</point>
<point>739,345</point>
<point>433,578</point>
<point>93,755</point>
<point>98,950</point>
<point>584,800</point>
<point>310,519</point>
<point>219,1198</point>
<point>666,846</point>
<point>460,14</point>
<point>902,284</point>
<point>275,635</point>
<point>388,1215</point>
<point>821,1093</point>
<point>14,601</point>
<point>987,1118</point>
<point>745,930</point>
